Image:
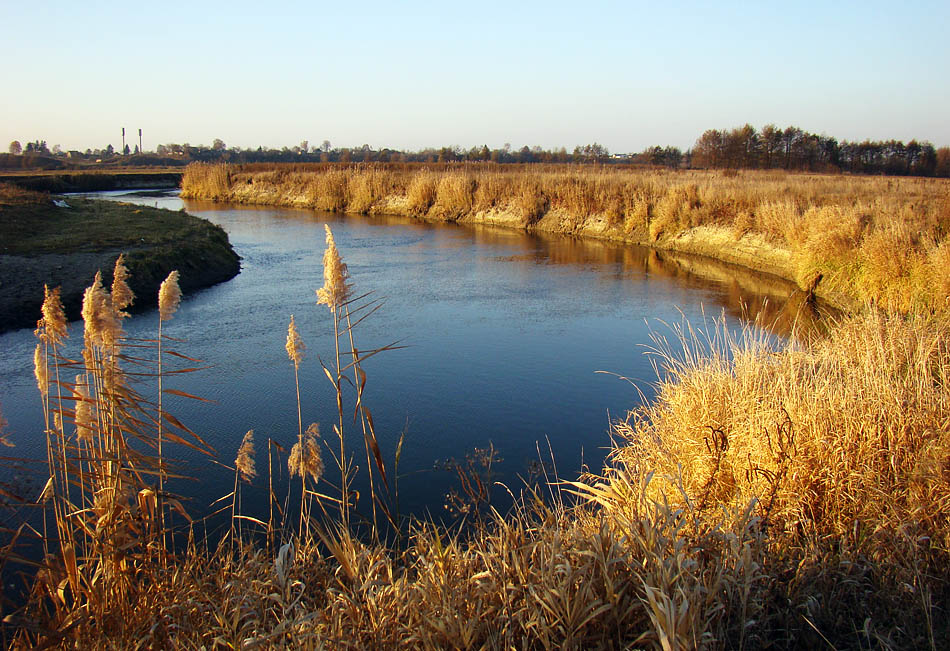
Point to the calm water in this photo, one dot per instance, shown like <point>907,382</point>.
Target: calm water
<point>504,335</point>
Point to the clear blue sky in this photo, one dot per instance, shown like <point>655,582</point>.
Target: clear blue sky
<point>416,74</point>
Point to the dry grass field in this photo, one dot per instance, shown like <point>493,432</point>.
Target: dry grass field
<point>872,239</point>
<point>770,497</point>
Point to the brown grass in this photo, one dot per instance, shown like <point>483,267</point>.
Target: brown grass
<point>454,196</point>
<point>421,193</point>
<point>14,195</point>
<point>793,496</point>
<point>871,239</point>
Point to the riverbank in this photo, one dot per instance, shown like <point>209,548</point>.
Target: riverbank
<point>772,495</point>
<point>850,239</point>
<point>61,181</point>
<point>64,245</point>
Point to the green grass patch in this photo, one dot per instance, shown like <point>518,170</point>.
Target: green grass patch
<point>89,225</point>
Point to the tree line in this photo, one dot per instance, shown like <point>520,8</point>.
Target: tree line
<point>742,147</point>
<point>795,149</point>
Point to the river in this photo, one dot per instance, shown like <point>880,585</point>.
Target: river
<point>504,335</point>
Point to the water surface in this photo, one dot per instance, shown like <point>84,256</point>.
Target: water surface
<point>503,332</point>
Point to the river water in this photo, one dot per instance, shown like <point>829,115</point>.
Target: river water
<point>504,336</point>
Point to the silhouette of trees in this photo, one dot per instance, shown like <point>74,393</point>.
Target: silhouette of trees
<point>36,147</point>
<point>16,148</point>
<point>663,156</point>
<point>592,153</point>
<point>795,149</point>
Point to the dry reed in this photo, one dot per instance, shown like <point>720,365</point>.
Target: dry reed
<point>244,462</point>
<point>871,239</point>
<point>305,459</point>
<point>169,297</point>
<point>336,289</point>
<point>785,496</point>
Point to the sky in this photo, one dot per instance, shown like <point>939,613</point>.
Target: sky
<point>411,75</point>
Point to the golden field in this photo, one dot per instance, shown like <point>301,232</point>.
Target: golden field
<point>770,497</point>
<point>872,239</point>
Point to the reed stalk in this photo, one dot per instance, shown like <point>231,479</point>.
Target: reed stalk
<point>335,293</point>
<point>169,297</point>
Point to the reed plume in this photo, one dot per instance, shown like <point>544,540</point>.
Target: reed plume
<point>122,295</point>
<point>169,297</point>
<point>306,459</point>
<point>336,290</point>
<point>244,470</point>
<point>295,346</point>
<point>295,351</point>
<point>54,316</point>
<point>40,370</point>
<point>244,463</point>
<point>102,329</point>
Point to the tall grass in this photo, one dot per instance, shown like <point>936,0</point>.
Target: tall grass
<point>103,451</point>
<point>789,496</point>
<point>868,239</point>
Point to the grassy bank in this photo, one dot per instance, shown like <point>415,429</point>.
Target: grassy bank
<point>870,239</point>
<point>782,497</point>
<point>64,247</point>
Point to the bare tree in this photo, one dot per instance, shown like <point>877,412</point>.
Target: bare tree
<point>16,148</point>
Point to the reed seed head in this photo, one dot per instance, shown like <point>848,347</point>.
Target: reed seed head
<point>40,370</point>
<point>336,290</point>
<point>169,296</point>
<point>54,316</point>
<point>122,295</point>
<point>295,346</point>
<point>245,458</point>
<point>102,329</point>
<point>305,457</point>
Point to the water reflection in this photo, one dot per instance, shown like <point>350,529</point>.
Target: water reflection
<point>505,332</point>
